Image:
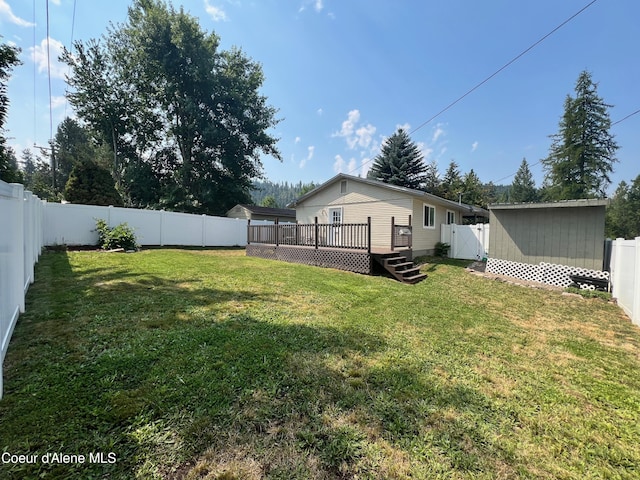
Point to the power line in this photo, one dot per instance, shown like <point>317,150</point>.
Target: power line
<point>49,77</point>
<point>540,161</point>
<point>513,60</point>
<point>73,23</point>
<point>623,119</point>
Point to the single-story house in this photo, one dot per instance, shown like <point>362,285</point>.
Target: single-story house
<point>569,233</point>
<point>345,199</point>
<point>255,212</point>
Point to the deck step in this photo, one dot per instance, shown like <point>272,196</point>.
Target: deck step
<point>399,268</point>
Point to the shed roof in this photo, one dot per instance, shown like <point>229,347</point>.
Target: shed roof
<point>470,209</point>
<point>585,202</point>
<point>275,212</point>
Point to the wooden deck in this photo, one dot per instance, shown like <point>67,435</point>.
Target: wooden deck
<point>343,247</point>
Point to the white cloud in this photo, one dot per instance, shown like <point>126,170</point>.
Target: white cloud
<point>339,164</point>
<point>356,137</point>
<point>319,111</point>
<point>216,13</point>
<point>39,56</point>
<point>58,101</point>
<point>297,140</point>
<point>56,2</point>
<point>406,127</point>
<point>7,14</point>
<point>310,150</point>
<point>474,146</point>
<point>437,134</point>
<point>318,5</point>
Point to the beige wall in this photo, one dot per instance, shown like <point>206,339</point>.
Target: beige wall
<point>362,200</point>
<point>570,236</point>
<point>238,212</point>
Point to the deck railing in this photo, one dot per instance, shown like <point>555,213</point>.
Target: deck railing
<point>355,236</point>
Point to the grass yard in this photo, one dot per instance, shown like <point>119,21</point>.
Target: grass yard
<point>212,365</point>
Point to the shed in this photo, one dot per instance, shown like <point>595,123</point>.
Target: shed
<point>567,233</point>
<point>255,212</point>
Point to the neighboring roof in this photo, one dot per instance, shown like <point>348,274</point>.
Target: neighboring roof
<point>471,209</point>
<point>586,202</point>
<point>274,212</point>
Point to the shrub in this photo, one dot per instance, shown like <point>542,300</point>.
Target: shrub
<point>442,249</point>
<point>589,293</point>
<point>120,236</point>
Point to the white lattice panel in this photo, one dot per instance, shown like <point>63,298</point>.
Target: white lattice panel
<point>548,273</point>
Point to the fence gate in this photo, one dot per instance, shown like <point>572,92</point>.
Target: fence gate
<point>470,242</point>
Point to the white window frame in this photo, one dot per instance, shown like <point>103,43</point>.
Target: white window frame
<point>451,219</point>
<point>426,218</point>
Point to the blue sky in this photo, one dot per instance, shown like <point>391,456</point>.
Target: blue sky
<point>345,74</point>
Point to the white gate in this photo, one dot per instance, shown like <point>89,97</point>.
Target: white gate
<point>469,242</point>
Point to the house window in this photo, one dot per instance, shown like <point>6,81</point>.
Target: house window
<point>343,186</point>
<point>451,217</point>
<point>429,216</point>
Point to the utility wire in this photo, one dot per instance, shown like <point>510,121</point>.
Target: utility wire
<point>513,60</point>
<point>540,161</point>
<point>623,119</point>
<point>34,75</point>
<point>49,76</point>
<point>66,90</point>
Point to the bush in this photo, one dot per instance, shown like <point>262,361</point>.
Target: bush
<point>442,249</point>
<point>589,293</point>
<point>121,236</point>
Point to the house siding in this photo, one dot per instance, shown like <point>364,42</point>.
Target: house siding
<point>239,212</point>
<point>565,236</point>
<point>359,202</point>
<point>363,200</point>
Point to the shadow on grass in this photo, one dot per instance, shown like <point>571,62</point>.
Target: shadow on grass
<point>165,373</point>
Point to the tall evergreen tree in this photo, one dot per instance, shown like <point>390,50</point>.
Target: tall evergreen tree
<point>432,182</point>
<point>523,188</point>
<point>451,186</point>
<point>399,162</point>
<point>472,189</point>
<point>582,153</point>
<point>91,184</point>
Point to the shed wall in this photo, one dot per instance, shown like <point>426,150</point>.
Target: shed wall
<point>566,236</point>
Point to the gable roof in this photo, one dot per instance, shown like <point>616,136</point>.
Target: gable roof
<point>274,212</point>
<point>470,209</point>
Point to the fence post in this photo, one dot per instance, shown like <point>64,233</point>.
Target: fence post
<point>393,232</point>
<point>316,235</point>
<point>204,230</point>
<point>616,267</point>
<point>410,234</point>
<point>277,231</point>
<point>369,235</point>
<point>248,231</point>
<point>635,318</point>
<point>162,228</point>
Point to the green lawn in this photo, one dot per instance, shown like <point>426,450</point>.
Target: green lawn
<point>209,364</point>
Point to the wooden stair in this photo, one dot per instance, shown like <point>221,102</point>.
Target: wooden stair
<point>402,270</point>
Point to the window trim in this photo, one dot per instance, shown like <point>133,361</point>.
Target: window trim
<point>343,183</point>
<point>453,212</point>
<point>426,217</point>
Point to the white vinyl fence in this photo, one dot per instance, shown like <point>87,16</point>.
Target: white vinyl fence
<point>625,276</point>
<point>469,242</point>
<point>70,224</point>
<point>21,241</point>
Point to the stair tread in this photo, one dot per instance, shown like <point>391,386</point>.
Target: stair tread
<point>410,270</point>
<point>403,264</point>
<point>415,278</point>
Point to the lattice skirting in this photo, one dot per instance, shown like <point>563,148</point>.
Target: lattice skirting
<point>548,273</point>
<point>359,262</point>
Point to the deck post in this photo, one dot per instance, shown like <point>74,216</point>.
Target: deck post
<point>369,235</point>
<point>410,236</point>
<point>248,231</point>
<point>316,235</point>
<point>393,232</point>
<point>277,230</point>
